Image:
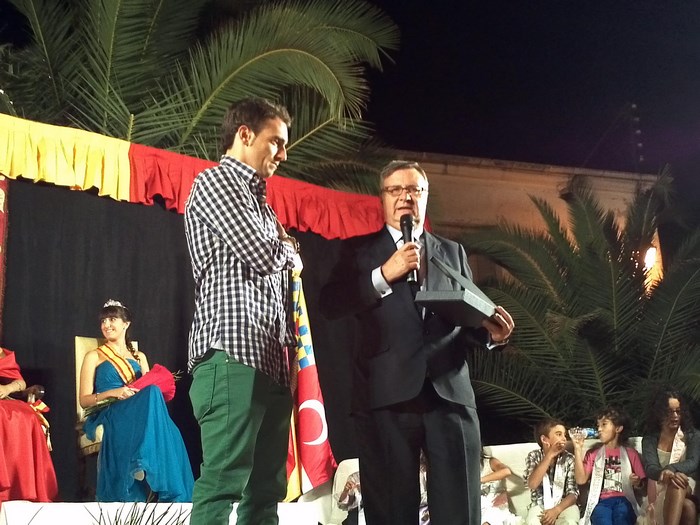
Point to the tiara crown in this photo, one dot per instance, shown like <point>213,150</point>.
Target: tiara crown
<point>112,302</point>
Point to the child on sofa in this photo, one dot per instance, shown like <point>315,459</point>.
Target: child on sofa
<point>549,474</point>
<point>494,498</point>
<point>614,470</point>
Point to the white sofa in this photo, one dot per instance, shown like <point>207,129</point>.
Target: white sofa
<point>513,455</point>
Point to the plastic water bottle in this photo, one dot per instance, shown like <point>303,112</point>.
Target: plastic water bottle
<point>577,433</point>
<point>591,433</point>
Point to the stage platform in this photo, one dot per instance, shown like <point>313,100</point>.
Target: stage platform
<point>26,513</point>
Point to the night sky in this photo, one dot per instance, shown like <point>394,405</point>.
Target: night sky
<point>577,83</point>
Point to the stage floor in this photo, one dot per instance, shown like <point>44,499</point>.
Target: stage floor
<point>26,513</point>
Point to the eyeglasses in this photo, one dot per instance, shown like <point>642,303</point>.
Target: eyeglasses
<point>397,191</point>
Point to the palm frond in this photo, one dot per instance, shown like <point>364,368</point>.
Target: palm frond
<point>104,56</point>
<point>263,54</point>
<point>119,57</point>
<point>598,329</point>
<point>507,385</point>
<point>326,150</point>
<point>561,245</point>
<point>347,176</point>
<point>536,342</point>
<point>41,69</point>
<point>7,77</point>
<point>685,373</point>
<point>146,40</point>
<point>135,69</point>
<point>523,253</point>
<point>598,371</point>
<point>670,319</point>
<point>612,289</point>
<point>271,49</point>
<point>643,213</point>
<point>171,27</point>
<point>593,228</point>
<point>355,28</point>
<point>109,116</point>
<point>689,249</point>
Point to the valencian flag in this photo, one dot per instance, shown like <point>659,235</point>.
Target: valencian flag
<point>310,462</point>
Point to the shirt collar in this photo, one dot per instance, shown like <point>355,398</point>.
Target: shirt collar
<point>398,236</point>
<point>257,185</point>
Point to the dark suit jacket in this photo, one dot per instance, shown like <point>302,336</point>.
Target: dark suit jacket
<point>398,348</point>
<point>650,455</point>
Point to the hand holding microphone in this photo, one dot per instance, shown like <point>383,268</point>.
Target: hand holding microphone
<point>404,261</point>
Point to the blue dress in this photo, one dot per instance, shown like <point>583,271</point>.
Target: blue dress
<point>138,436</point>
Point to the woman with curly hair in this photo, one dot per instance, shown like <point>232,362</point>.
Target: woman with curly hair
<point>670,453</point>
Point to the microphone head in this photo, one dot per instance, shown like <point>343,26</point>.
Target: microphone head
<point>406,222</point>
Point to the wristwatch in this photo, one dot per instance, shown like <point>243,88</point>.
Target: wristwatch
<point>291,240</point>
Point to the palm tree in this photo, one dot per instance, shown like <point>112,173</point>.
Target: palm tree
<point>162,72</point>
<point>589,332</point>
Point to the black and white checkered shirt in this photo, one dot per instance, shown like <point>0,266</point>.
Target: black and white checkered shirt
<point>240,270</point>
<point>565,459</point>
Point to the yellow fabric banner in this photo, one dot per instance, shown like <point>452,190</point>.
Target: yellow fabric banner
<point>64,156</point>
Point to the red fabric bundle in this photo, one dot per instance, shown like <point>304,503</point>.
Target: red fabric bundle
<point>160,377</point>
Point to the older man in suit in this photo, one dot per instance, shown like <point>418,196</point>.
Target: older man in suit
<point>411,377</point>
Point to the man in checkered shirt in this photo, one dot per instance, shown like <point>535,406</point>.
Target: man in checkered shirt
<point>241,257</point>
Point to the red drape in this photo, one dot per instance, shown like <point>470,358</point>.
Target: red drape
<point>299,205</point>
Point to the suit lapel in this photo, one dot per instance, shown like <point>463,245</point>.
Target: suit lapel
<point>435,279</point>
<point>383,247</point>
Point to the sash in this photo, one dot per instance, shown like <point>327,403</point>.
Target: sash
<point>9,369</point>
<point>123,367</point>
<point>597,483</point>
<point>40,409</point>
<point>552,492</point>
<point>677,451</point>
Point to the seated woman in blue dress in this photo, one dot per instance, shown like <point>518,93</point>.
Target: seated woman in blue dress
<point>141,448</point>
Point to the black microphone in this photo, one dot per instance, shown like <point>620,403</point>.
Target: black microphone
<point>406,222</point>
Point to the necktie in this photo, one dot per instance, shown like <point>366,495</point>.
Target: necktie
<point>414,287</point>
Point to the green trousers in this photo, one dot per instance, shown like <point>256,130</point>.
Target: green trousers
<point>244,420</point>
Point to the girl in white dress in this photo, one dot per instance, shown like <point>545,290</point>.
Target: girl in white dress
<point>494,497</point>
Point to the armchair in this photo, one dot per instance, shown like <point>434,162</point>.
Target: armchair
<point>86,447</point>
